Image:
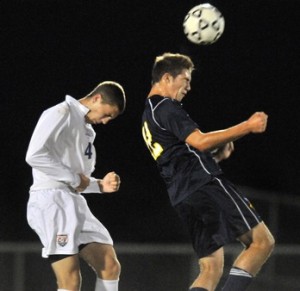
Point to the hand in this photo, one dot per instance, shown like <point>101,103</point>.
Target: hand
<point>84,183</point>
<point>223,152</point>
<point>110,183</point>
<point>258,122</point>
<point>227,150</point>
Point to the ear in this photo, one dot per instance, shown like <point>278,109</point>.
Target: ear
<point>166,77</point>
<point>97,97</point>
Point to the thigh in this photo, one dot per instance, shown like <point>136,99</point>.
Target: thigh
<point>96,254</point>
<point>215,215</point>
<point>237,211</point>
<point>67,271</point>
<point>203,219</point>
<point>92,229</point>
<point>56,217</point>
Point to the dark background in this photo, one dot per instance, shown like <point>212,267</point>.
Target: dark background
<point>53,48</point>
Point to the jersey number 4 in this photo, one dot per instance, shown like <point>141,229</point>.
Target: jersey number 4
<point>154,147</point>
<point>88,151</point>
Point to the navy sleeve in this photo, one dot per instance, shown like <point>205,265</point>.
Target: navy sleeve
<point>172,117</point>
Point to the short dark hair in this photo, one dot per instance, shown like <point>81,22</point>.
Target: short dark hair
<point>112,93</point>
<point>170,63</point>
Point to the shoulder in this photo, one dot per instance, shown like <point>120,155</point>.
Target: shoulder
<point>61,108</point>
<point>158,102</point>
<point>60,111</point>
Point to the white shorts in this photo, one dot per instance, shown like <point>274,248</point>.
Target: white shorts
<point>63,221</point>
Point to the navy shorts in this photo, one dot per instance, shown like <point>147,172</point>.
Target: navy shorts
<point>215,215</point>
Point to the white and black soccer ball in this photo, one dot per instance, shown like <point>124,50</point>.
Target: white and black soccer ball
<point>203,24</point>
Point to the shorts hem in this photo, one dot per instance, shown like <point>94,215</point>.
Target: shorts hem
<point>46,253</point>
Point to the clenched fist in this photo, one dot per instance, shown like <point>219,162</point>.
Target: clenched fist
<point>110,183</point>
<point>258,122</point>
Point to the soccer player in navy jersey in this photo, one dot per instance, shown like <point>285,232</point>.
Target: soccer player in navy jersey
<point>212,208</point>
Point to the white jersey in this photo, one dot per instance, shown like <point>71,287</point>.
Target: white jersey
<point>61,147</point>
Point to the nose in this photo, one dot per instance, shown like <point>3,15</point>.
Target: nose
<point>188,88</point>
<point>105,120</point>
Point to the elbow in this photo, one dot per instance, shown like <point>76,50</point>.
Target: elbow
<point>203,146</point>
<point>28,159</point>
<point>200,141</point>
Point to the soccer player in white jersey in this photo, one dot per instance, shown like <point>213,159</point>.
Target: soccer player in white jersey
<point>62,157</point>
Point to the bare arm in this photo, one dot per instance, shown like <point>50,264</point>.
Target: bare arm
<point>208,141</point>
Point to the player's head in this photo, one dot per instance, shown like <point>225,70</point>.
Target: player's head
<point>105,102</point>
<point>172,75</point>
<point>112,93</point>
<point>172,64</point>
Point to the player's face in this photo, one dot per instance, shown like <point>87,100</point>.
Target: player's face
<point>180,85</point>
<point>101,113</point>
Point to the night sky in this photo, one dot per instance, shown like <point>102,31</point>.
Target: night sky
<point>53,48</point>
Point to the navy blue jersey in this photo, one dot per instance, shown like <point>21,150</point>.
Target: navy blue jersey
<point>165,127</point>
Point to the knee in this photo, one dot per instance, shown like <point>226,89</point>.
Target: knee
<point>212,269</point>
<point>111,269</point>
<point>115,267</point>
<point>269,243</point>
<point>71,281</point>
<point>266,243</point>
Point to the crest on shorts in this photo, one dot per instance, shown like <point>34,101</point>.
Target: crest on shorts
<point>62,239</point>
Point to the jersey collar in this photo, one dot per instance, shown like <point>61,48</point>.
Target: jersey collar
<point>77,105</point>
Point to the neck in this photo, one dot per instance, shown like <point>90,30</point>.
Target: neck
<point>85,101</point>
<point>158,90</point>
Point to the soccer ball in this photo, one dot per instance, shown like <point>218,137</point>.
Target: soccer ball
<point>203,24</point>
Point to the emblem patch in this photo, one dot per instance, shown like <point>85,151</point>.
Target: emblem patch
<point>62,239</point>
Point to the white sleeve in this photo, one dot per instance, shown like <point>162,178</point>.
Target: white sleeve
<point>93,187</point>
<point>39,155</point>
